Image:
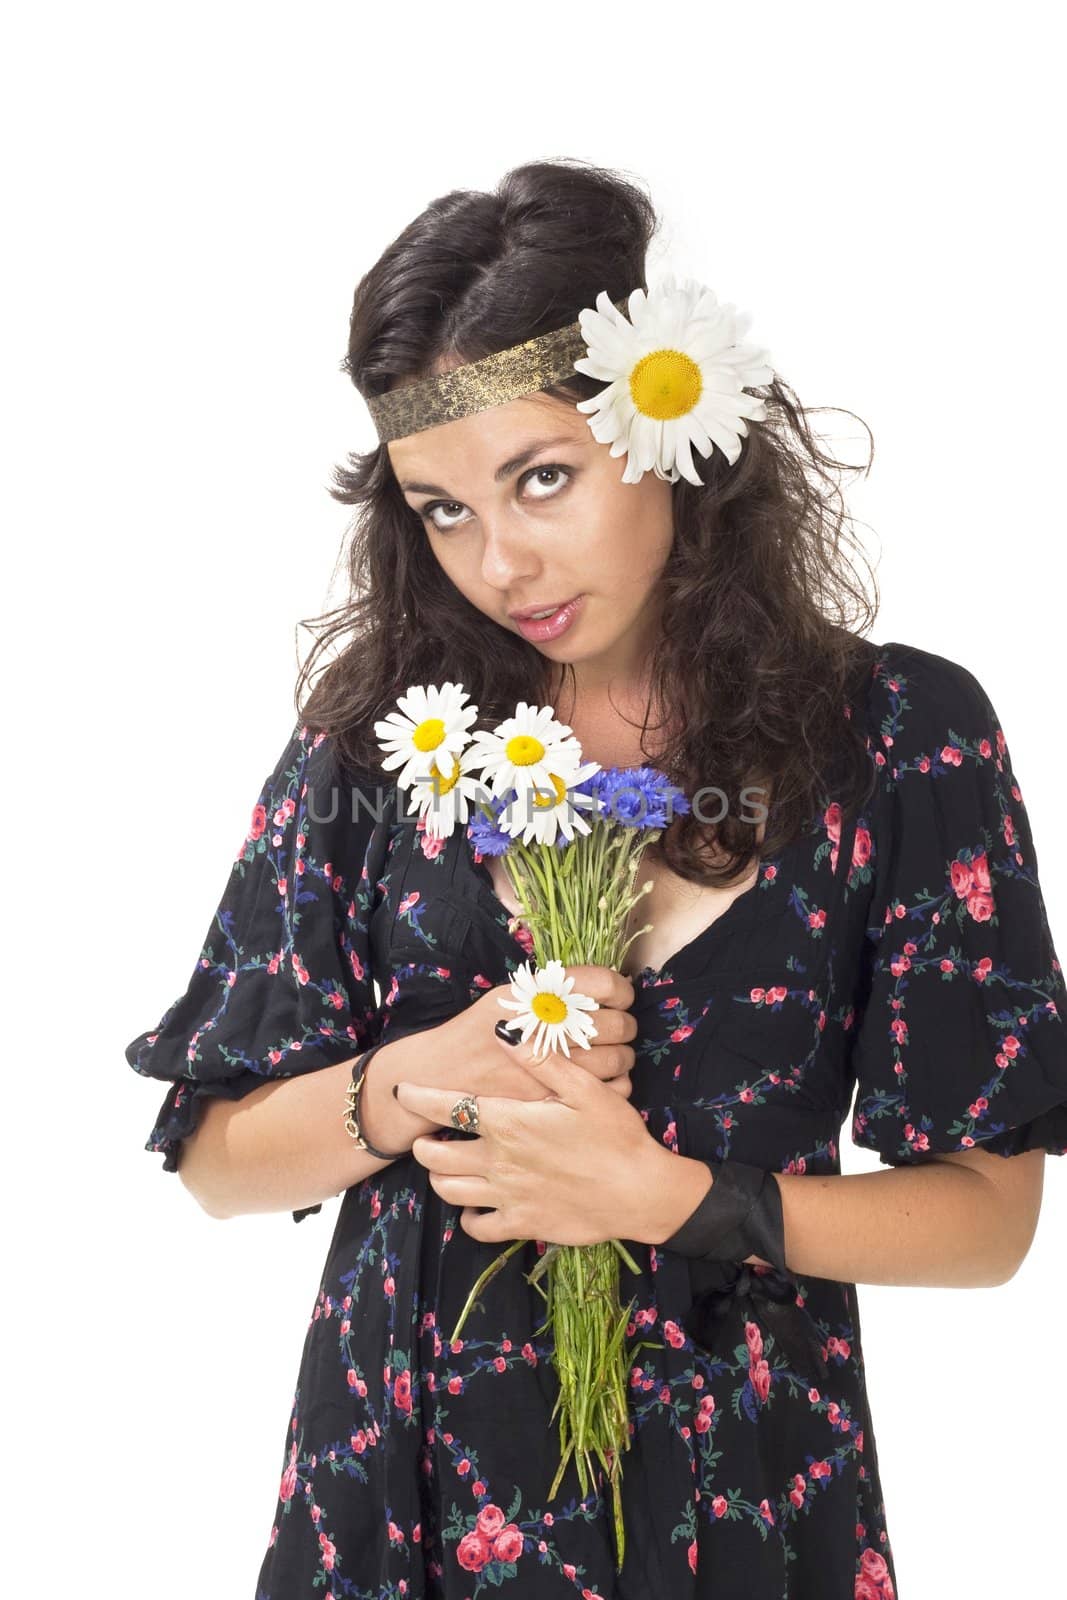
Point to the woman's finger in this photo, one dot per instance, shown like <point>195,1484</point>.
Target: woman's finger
<point>615,1061</point>
<point>490,1227</point>
<point>466,1191</point>
<point>606,985</point>
<point>466,1158</point>
<point>502,1120</point>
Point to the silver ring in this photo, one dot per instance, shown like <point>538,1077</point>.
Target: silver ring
<point>465,1114</point>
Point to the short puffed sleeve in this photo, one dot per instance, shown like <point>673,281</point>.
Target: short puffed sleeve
<point>283,982</point>
<point>961,1037</point>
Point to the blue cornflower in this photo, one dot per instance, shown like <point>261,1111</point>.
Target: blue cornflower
<point>636,797</point>
<point>482,831</point>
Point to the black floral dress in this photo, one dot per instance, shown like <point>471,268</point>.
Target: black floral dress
<point>903,954</point>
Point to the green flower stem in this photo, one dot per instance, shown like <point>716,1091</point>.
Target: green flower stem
<point>575,904</point>
<point>490,1272</point>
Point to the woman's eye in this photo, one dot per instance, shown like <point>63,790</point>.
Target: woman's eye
<point>428,513</point>
<point>544,492</point>
<point>551,472</point>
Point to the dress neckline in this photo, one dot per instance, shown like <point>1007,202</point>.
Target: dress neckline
<point>650,977</point>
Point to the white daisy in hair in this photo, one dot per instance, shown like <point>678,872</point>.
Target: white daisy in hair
<point>676,373</point>
<point>549,1010</point>
<point>524,751</point>
<point>542,818</point>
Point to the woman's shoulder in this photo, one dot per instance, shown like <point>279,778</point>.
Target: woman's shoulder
<point>330,762</point>
<point>919,701</point>
<point>335,803</point>
<point>326,759</point>
<point>937,680</point>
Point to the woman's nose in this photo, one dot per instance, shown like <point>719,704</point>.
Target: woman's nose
<point>509,559</point>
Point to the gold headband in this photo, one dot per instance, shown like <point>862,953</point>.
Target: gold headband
<point>477,385</point>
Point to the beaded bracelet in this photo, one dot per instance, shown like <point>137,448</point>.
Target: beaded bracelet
<point>352,1097</point>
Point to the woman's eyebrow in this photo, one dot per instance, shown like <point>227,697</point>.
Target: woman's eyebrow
<point>505,469</point>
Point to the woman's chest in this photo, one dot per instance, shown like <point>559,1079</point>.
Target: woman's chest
<point>670,913</point>
<point>671,910</point>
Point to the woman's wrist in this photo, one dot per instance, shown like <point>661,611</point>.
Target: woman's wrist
<point>383,1121</point>
<point>676,1186</point>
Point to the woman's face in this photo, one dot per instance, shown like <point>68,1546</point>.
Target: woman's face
<point>522,507</point>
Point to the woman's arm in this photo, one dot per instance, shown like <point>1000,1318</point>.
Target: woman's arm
<point>963,1220</point>
<point>284,1146</point>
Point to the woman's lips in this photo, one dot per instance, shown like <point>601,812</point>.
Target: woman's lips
<point>539,629</point>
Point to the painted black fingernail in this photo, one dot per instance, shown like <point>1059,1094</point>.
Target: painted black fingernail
<point>503,1032</point>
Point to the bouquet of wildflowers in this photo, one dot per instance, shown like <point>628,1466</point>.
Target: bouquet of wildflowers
<point>571,835</point>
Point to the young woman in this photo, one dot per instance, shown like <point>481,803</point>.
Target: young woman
<point>877,927</point>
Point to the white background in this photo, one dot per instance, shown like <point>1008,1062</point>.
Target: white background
<point>191,194</point>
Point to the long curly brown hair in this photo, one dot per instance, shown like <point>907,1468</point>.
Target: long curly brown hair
<point>762,605</point>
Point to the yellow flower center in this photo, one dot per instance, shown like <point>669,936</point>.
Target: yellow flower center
<point>666,384</point>
<point>444,784</point>
<point>548,1007</point>
<point>429,734</point>
<point>524,750</point>
<point>543,800</point>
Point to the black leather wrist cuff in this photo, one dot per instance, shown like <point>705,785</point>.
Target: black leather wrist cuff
<point>741,1215</point>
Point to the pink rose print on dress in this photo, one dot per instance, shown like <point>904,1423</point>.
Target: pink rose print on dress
<point>430,846</point>
<point>289,1478</point>
<point>832,824</point>
<point>508,1544</point>
<point>491,1539</point>
<point>402,1393</point>
<point>873,1581</point>
<point>760,1374</point>
<point>971,882</point>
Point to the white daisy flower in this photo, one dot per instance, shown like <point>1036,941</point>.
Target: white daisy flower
<point>542,817</point>
<point>676,374</point>
<point>432,725</point>
<point>524,751</point>
<point>549,1010</point>
<point>442,800</point>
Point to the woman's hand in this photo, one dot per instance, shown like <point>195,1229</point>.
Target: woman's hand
<point>573,1167</point>
<point>487,1064</point>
